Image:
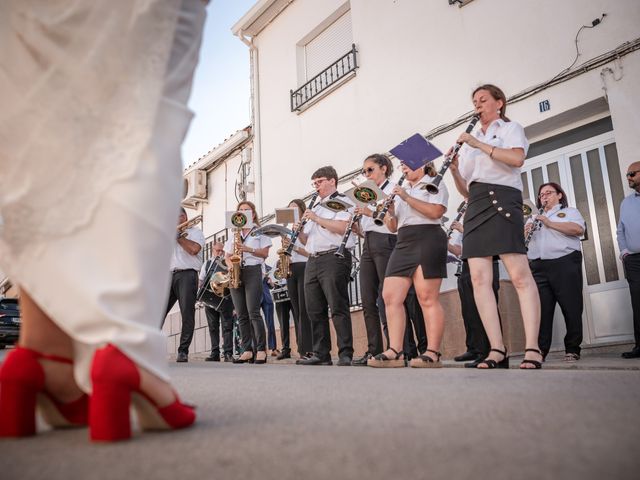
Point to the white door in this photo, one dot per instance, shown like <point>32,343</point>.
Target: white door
<point>589,173</point>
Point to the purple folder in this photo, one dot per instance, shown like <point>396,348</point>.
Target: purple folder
<point>415,151</point>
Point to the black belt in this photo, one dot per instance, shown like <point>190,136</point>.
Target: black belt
<point>324,252</point>
<point>184,270</point>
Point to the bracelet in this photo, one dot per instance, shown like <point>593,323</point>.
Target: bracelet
<point>491,153</point>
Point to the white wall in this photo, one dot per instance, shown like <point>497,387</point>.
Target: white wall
<point>419,63</point>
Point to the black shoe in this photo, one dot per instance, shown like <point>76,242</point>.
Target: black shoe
<point>284,354</point>
<point>214,357</point>
<point>466,357</point>
<point>314,360</point>
<point>241,360</point>
<point>344,361</point>
<point>362,361</point>
<point>182,357</point>
<point>635,353</point>
<point>228,357</point>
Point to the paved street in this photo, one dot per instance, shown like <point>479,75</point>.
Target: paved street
<point>289,422</point>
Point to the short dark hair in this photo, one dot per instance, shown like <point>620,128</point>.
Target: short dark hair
<point>558,189</point>
<point>382,161</point>
<point>326,172</point>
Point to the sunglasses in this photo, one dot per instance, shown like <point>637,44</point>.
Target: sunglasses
<point>367,171</point>
<point>632,173</point>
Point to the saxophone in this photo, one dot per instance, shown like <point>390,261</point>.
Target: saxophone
<point>236,260</point>
<point>284,268</point>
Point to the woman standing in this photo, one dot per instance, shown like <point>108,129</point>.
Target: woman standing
<point>295,285</point>
<point>555,259</point>
<point>419,257</point>
<point>488,173</point>
<point>378,245</point>
<point>248,297</point>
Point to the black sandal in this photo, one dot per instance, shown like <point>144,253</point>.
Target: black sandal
<point>490,363</point>
<point>425,361</point>
<point>382,361</point>
<point>535,363</point>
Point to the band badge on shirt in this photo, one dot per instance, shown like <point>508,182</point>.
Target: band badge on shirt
<point>562,215</point>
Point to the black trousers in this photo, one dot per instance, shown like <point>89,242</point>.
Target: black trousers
<point>247,300</point>
<point>326,286</point>
<point>373,264</point>
<point>283,310</point>
<point>415,336</point>
<point>560,281</point>
<point>476,338</point>
<point>632,273</point>
<point>183,289</point>
<point>295,285</point>
<point>215,318</point>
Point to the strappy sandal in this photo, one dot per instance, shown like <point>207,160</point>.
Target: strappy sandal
<point>490,363</point>
<point>535,363</point>
<point>382,361</point>
<point>425,361</point>
<point>571,357</point>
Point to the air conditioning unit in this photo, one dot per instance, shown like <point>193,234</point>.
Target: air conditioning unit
<point>195,186</point>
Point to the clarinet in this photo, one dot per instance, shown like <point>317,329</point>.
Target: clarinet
<point>378,217</point>
<point>297,231</point>
<point>432,187</point>
<point>345,238</point>
<point>461,209</point>
<point>536,226</point>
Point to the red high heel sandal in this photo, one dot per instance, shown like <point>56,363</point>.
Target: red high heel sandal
<point>22,388</point>
<point>116,385</point>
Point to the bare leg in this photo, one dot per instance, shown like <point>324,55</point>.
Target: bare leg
<point>428,293</point>
<point>38,332</point>
<point>394,292</point>
<point>481,270</point>
<point>518,267</point>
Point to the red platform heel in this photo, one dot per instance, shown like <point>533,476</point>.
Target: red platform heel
<point>22,388</point>
<point>116,385</point>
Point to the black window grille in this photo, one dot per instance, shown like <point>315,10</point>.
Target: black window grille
<point>344,66</point>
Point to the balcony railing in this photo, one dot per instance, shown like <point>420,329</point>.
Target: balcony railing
<point>341,68</point>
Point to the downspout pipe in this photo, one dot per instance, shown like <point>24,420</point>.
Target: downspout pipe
<point>255,119</point>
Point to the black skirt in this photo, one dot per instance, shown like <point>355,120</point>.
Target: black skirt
<point>424,245</point>
<point>493,222</point>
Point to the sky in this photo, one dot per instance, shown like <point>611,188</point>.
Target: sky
<point>220,97</point>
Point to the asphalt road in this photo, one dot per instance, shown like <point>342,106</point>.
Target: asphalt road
<point>290,422</point>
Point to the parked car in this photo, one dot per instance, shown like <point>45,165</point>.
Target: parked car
<point>9,321</point>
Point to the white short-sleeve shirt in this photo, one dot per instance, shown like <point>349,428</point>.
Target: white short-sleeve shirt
<point>249,240</point>
<point>297,257</point>
<point>321,239</point>
<point>181,260</point>
<point>476,166</point>
<point>407,215</point>
<point>547,243</point>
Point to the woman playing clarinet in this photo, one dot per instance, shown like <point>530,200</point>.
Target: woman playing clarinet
<point>488,173</point>
<point>419,257</point>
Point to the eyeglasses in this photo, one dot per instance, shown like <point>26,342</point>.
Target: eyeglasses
<point>633,173</point>
<point>547,193</point>
<point>367,171</point>
<point>317,182</point>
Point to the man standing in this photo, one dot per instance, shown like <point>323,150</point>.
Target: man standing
<point>629,243</point>
<point>326,281</point>
<point>185,264</point>
<point>223,315</point>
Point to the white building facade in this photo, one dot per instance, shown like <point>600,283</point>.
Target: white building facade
<point>335,80</point>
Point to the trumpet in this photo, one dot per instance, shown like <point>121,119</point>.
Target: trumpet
<point>378,216</point>
<point>301,225</point>
<point>432,187</point>
<point>184,226</point>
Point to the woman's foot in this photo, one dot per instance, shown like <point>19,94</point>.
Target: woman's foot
<point>533,359</point>
<point>497,358</point>
<point>430,359</point>
<point>261,357</point>
<point>119,383</point>
<point>390,358</point>
<point>245,357</point>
